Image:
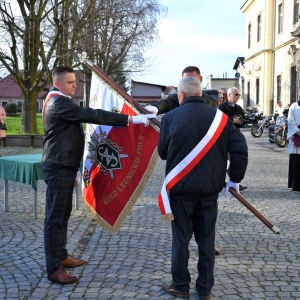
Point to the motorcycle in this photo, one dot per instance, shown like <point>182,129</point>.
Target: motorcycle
<point>272,127</point>
<point>252,116</point>
<point>280,132</point>
<point>263,125</point>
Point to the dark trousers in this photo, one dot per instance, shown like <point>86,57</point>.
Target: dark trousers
<point>294,172</point>
<point>59,194</point>
<point>198,217</point>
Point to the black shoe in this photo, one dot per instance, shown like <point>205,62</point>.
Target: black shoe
<point>242,187</point>
<point>169,289</point>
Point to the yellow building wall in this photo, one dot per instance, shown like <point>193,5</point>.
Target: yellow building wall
<point>268,58</point>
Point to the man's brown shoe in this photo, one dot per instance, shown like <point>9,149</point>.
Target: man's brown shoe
<point>217,251</point>
<point>62,277</point>
<point>71,262</point>
<point>169,289</point>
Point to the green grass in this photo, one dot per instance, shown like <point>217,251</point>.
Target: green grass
<point>13,124</point>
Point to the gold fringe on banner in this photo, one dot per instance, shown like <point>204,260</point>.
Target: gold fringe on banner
<point>168,217</point>
<point>114,229</point>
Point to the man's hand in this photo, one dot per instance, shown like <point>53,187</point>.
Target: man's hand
<point>142,119</point>
<point>237,120</point>
<point>233,185</point>
<point>153,109</point>
<point>298,132</point>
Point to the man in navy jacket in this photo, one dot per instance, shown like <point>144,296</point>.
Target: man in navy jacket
<point>193,199</point>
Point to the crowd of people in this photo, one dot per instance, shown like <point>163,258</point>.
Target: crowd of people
<point>192,118</point>
<point>193,201</point>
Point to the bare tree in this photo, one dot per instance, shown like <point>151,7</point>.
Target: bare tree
<point>30,44</point>
<point>120,35</point>
<point>39,35</point>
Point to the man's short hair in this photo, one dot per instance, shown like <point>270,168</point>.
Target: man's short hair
<point>191,69</point>
<point>190,86</point>
<point>60,70</point>
<point>230,90</point>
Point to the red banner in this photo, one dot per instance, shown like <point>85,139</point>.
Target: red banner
<point>118,161</point>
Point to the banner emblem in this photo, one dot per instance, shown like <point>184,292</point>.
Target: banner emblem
<point>105,154</point>
<point>109,157</point>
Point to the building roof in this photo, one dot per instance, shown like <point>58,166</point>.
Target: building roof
<point>133,81</point>
<point>215,79</point>
<point>10,89</point>
<point>239,60</point>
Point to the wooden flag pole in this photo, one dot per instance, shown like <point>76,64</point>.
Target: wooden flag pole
<point>121,91</point>
<point>259,215</point>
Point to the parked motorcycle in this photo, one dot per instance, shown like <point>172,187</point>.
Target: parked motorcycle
<point>280,132</point>
<point>254,118</point>
<point>263,125</point>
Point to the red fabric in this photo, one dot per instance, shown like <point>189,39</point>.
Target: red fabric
<point>109,197</point>
<point>50,95</point>
<point>296,140</point>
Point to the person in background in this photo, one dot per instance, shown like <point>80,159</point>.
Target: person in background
<point>193,199</point>
<point>2,132</point>
<point>171,102</point>
<point>62,152</point>
<point>279,109</point>
<point>293,134</point>
<point>234,112</point>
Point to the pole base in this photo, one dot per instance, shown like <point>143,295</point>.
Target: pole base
<point>275,230</point>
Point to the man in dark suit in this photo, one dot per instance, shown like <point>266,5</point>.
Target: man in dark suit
<point>193,199</point>
<point>171,102</point>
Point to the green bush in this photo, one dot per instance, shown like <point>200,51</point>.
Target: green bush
<point>11,108</point>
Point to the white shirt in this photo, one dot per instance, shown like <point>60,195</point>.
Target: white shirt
<point>293,122</point>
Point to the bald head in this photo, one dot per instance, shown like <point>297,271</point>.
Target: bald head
<point>187,87</point>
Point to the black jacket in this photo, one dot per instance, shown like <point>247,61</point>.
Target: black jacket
<point>225,108</point>
<point>64,137</point>
<point>171,102</point>
<point>181,130</point>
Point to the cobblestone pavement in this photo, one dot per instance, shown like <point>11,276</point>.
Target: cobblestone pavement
<point>255,263</point>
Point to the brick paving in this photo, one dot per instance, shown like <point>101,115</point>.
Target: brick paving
<point>255,263</point>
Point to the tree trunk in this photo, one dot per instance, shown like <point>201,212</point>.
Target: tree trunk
<point>29,123</point>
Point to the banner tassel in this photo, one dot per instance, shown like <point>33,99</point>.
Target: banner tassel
<point>168,217</point>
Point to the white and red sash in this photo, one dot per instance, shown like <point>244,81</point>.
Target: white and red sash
<point>189,162</point>
<point>49,96</point>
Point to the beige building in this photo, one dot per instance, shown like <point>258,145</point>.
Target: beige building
<point>272,56</point>
<point>221,83</point>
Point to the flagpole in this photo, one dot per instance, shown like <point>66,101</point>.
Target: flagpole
<point>259,215</point>
<point>121,91</point>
